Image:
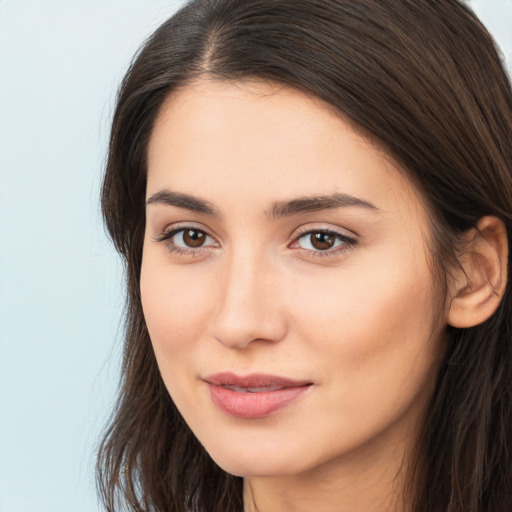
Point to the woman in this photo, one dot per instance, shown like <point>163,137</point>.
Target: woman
<point>313,201</point>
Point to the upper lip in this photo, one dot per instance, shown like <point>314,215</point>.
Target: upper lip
<point>253,380</point>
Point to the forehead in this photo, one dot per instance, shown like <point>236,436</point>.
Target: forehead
<point>218,138</point>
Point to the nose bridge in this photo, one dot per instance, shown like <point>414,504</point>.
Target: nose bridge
<point>248,307</point>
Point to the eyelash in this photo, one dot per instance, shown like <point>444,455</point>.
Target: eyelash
<point>347,242</point>
<point>166,236</point>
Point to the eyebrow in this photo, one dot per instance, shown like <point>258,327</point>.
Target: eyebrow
<point>186,201</point>
<point>278,209</point>
<point>317,203</point>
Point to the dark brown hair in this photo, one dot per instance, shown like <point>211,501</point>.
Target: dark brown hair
<point>425,80</point>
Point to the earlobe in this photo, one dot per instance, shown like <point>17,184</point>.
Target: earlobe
<point>479,283</point>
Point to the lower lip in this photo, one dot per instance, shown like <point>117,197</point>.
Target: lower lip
<point>254,405</point>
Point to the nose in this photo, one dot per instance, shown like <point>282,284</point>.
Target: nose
<point>249,308</point>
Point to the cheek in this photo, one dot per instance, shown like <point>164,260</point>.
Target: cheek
<point>177,304</point>
<point>372,331</point>
<point>369,301</point>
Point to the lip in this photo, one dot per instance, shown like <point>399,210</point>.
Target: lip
<point>253,396</point>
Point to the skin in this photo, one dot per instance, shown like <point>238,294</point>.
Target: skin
<point>360,321</point>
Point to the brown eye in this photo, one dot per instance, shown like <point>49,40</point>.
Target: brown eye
<point>187,239</point>
<point>322,241</point>
<point>328,242</point>
<point>193,237</point>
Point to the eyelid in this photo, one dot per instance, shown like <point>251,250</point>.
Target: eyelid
<point>349,240</point>
<point>335,230</point>
<point>169,232</point>
<point>172,229</point>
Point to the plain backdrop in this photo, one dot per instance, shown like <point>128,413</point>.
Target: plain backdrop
<point>60,281</point>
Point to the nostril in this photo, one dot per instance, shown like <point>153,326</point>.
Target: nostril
<point>240,331</point>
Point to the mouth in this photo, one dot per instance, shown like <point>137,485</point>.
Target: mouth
<point>255,395</point>
<point>253,390</point>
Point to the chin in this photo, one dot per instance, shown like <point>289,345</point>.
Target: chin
<point>259,460</point>
<point>256,468</point>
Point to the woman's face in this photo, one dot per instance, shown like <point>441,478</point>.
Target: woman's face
<point>285,281</point>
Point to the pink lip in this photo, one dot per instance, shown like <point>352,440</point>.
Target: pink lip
<point>259,394</point>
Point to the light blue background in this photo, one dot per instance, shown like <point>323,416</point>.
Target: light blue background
<point>60,281</point>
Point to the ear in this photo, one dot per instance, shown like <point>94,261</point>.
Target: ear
<point>479,283</point>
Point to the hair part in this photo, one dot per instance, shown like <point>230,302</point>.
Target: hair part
<point>422,78</point>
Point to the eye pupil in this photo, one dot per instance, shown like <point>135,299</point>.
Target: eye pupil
<point>193,237</point>
<point>322,241</point>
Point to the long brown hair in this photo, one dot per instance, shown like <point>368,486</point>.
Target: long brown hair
<point>425,80</point>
